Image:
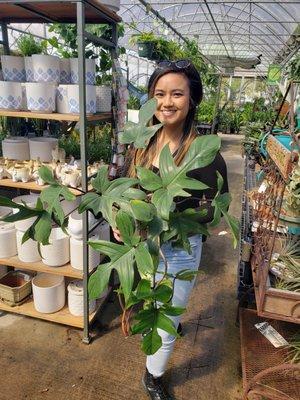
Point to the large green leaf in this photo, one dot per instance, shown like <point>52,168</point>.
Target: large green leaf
<point>134,194</point>
<point>100,183</point>
<point>126,225</point>
<point>142,211</point>
<point>151,342</point>
<point>143,289</point>
<point>147,111</point>
<point>144,260</point>
<point>165,323</point>
<point>98,281</point>
<point>163,201</point>
<point>163,292</point>
<point>148,179</point>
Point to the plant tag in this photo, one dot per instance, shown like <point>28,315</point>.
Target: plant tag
<point>271,334</point>
<point>275,256</point>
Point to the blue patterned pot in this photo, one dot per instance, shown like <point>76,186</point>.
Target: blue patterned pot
<point>10,95</point>
<point>41,97</point>
<point>29,69</point>
<point>90,71</point>
<point>45,68</point>
<point>73,99</point>
<point>13,68</point>
<point>65,72</point>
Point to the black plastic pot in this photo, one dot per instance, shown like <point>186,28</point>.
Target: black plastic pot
<point>145,49</point>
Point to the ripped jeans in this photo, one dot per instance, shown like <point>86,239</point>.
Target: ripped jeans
<point>177,259</point>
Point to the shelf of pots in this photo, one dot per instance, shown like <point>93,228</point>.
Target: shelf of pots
<point>55,116</point>
<point>275,259</point>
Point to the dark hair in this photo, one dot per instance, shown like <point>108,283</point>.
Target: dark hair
<point>196,90</point>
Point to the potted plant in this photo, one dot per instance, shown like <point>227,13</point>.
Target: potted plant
<point>142,209</point>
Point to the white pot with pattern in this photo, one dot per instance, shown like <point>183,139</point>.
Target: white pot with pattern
<point>29,69</point>
<point>13,68</point>
<point>46,68</point>
<point>57,253</point>
<point>10,95</point>
<point>65,71</point>
<point>41,97</point>
<point>73,99</point>
<point>62,103</point>
<point>90,71</point>
<point>28,251</point>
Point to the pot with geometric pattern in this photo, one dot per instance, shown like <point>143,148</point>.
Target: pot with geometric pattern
<point>41,96</point>
<point>73,99</point>
<point>45,68</point>
<point>90,71</point>
<point>13,68</point>
<point>10,95</point>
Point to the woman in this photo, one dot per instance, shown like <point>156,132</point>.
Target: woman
<point>178,89</point>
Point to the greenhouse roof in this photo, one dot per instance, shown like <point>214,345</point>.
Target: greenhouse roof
<point>225,30</point>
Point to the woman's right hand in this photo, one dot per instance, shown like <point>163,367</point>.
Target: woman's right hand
<point>117,235</point>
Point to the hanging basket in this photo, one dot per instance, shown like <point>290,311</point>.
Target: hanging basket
<point>145,49</point>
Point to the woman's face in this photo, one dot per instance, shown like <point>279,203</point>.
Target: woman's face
<point>173,99</point>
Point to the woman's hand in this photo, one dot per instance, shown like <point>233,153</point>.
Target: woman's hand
<point>117,235</point>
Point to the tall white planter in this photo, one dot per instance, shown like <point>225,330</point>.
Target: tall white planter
<point>73,99</point>
<point>41,97</point>
<point>62,103</point>
<point>103,98</point>
<point>10,95</point>
<point>57,253</point>
<point>8,243</point>
<point>30,200</point>
<point>16,148</point>
<point>28,251</point>
<point>75,224</point>
<point>75,299</point>
<point>48,293</point>
<point>76,252</point>
<point>42,147</point>
<point>13,68</point>
<point>90,71</point>
<point>46,68</point>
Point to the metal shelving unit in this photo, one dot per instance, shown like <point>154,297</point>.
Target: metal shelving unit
<point>78,12</point>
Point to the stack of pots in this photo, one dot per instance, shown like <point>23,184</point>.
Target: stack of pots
<point>28,251</point>
<point>44,83</point>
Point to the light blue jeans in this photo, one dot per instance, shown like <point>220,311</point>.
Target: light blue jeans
<point>177,259</point>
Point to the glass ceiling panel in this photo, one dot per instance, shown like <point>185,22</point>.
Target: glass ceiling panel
<point>225,27</point>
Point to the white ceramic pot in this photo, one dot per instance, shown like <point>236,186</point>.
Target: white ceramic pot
<point>62,104</point>
<point>16,148</point>
<point>29,69</point>
<point>45,68</point>
<point>90,71</point>
<point>8,242</point>
<point>41,96</point>
<point>114,5</point>
<point>13,68</point>
<point>76,252</point>
<point>75,224</point>
<point>75,299</point>
<point>10,95</point>
<point>73,99</point>
<point>30,200</point>
<point>42,147</point>
<point>24,100</point>
<point>103,98</point>
<point>57,253</point>
<point>48,293</point>
<point>65,70</point>
<point>28,251</point>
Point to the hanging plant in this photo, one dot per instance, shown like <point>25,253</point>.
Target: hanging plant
<point>143,210</point>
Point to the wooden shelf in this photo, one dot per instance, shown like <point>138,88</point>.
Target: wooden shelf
<point>32,186</point>
<point>65,270</point>
<point>60,317</point>
<point>54,116</point>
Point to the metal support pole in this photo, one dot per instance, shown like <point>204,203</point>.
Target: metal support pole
<point>83,151</point>
<point>5,38</point>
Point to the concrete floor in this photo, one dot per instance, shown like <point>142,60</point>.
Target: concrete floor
<point>41,360</point>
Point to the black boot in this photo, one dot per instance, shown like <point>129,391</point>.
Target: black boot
<point>154,387</point>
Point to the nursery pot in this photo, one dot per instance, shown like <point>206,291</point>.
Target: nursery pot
<point>46,68</point>
<point>8,243</point>
<point>10,95</point>
<point>13,68</point>
<point>28,251</point>
<point>48,292</point>
<point>75,299</point>
<point>42,147</point>
<point>145,49</point>
<point>30,200</point>
<point>16,148</point>
<point>57,253</point>
<point>41,97</point>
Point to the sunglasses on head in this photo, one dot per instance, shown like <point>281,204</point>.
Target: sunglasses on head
<point>180,64</point>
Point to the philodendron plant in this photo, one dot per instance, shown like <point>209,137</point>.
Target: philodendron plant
<point>144,212</point>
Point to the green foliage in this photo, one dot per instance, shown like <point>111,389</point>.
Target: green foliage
<point>205,111</point>
<point>293,68</point>
<point>28,45</point>
<point>143,210</point>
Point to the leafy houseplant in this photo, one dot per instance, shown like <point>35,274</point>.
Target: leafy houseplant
<point>27,45</point>
<point>143,210</point>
